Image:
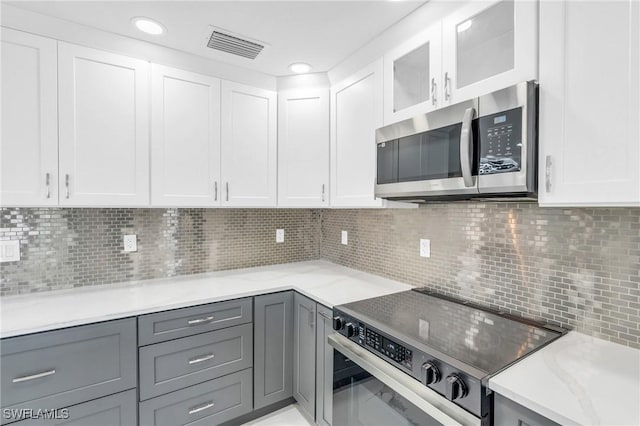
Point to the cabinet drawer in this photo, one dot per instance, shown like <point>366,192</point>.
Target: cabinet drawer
<point>163,326</point>
<point>169,366</point>
<point>113,410</point>
<point>65,367</point>
<point>509,413</point>
<point>206,404</point>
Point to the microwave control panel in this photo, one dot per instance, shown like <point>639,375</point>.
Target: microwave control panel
<point>500,137</point>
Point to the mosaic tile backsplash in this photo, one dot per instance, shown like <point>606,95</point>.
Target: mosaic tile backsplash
<point>64,248</point>
<point>577,268</point>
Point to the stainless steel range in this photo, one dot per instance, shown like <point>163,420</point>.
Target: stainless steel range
<point>418,358</point>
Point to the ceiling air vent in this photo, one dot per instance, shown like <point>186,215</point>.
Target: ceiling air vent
<point>225,41</point>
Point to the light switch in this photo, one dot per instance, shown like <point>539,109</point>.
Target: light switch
<point>345,238</point>
<point>425,248</point>
<point>10,251</point>
<point>279,235</point>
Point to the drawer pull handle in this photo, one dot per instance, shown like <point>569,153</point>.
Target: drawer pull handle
<point>202,407</point>
<point>200,320</point>
<point>201,359</point>
<point>34,376</point>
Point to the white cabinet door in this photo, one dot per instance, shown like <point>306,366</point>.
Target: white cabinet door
<point>29,148</point>
<point>303,148</point>
<point>589,103</point>
<point>413,76</point>
<point>489,45</point>
<point>356,112</point>
<point>249,146</point>
<point>185,138</point>
<point>104,128</point>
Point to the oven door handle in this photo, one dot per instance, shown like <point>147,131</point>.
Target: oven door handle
<point>466,147</point>
<point>429,401</point>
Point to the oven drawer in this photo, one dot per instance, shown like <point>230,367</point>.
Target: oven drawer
<point>68,366</point>
<point>206,404</point>
<point>113,410</point>
<point>173,365</point>
<point>163,326</point>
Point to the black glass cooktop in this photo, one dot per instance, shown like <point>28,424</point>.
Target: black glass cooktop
<point>483,339</point>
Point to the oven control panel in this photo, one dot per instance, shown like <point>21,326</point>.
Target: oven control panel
<point>389,348</point>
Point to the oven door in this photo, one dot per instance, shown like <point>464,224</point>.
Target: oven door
<point>368,391</point>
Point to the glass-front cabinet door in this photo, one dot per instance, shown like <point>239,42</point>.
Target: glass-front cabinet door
<point>489,45</point>
<point>413,74</point>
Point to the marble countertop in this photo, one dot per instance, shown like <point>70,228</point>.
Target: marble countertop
<point>577,380</point>
<point>325,282</point>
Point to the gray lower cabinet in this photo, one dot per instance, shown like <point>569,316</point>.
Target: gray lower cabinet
<point>168,325</point>
<point>509,413</point>
<point>273,340</point>
<point>206,404</point>
<point>304,353</point>
<point>324,367</point>
<point>113,410</point>
<point>65,367</point>
<point>173,365</point>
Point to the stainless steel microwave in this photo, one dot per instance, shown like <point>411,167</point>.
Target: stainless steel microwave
<point>484,147</point>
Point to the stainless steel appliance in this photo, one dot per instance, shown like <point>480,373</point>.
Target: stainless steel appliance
<point>417,358</point>
<point>485,147</point>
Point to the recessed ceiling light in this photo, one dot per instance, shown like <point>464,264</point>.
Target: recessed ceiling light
<point>148,26</point>
<point>300,67</point>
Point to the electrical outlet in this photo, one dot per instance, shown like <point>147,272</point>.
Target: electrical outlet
<point>10,251</point>
<point>425,248</point>
<point>345,238</point>
<point>279,235</point>
<point>130,243</point>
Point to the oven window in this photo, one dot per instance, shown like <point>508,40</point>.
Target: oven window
<point>359,399</point>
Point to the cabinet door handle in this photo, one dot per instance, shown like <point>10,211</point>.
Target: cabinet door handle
<point>227,185</point>
<point>312,316</point>
<point>33,376</point>
<point>66,184</point>
<point>434,99</point>
<point>215,191</point>
<point>447,83</point>
<point>200,320</point>
<point>201,358</point>
<point>323,315</point>
<point>547,173</point>
<point>323,192</point>
<point>48,183</point>
<point>198,408</point>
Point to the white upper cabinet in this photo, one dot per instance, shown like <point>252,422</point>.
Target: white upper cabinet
<point>29,148</point>
<point>487,46</point>
<point>356,112</point>
<point>104,128</point>
<point>413,76</point>
<point>249,146</point>
<point>589,103</point>
<point>185,138</point>
<point>303,148</point>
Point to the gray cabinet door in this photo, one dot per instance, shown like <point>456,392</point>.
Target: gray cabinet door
<point>509,413</point>
<point>113,410</point>
<point>168,325</point>
<point>324,367</point>
<point>304,353</point>
<point>65,367</point>
<point>173,365</point>
<point>273,340</point>
<point>207,404</point>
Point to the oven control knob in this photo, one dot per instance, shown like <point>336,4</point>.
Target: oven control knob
<point>455,387</point>
<point>338,323</point>
<point>350,330</point>
<point>431,373</point>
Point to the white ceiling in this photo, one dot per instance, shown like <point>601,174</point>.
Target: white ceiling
<point>321,33</point>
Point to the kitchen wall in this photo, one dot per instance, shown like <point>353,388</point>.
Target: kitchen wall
<point>63,248</point>
<point>573,267</point>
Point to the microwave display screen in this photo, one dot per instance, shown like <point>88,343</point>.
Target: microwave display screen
<point>500,142</point>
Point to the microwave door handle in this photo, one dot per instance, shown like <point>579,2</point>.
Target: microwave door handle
<point>466,147</point>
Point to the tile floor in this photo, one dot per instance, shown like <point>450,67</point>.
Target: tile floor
<point>287,416</point>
